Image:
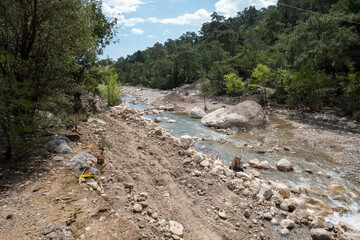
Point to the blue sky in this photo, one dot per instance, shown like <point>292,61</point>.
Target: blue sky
<point>142,23</point>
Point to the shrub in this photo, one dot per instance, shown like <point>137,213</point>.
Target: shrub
<point>111,91</point>
<point>234,84</point>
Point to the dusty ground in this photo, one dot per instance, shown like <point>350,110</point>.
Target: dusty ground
<point>142,164</point>
<point>33,195</point>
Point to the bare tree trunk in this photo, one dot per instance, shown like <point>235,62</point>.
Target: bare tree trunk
<point>205,108</point>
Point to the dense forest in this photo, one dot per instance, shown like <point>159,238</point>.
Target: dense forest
<point>308,51</point>
<point>48,60</point>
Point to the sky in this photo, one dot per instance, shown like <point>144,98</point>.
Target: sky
<point>142,23</point>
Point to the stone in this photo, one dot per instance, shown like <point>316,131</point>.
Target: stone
<point>229,173</point>
<point>320,207</point>
<point>40,152</point>
<point>59,144</point>
<point>197,173</point>
<point>222,215</point>
<point>197,112</point>
<point>57,232</point>
<point>171,121</point>
<point>128,185</point>
<point>336,188</point>
<point>265,192</point>
<point>284,206</point>
<point>254,163</point>
<point>155,215</point>
<point>300,216</point>
<point>317,223</point>
<point>268,216</point>
<point>284,232</point>
<point>274,221</point>
<point>277,198</point>
<point>82,161</point>
<point>58,159</point>
<point>144,204</point>
<point>205,164</point>
<point>254,173</point>
<point>217,170</point>
<point>287,224</point>
<point>340,198</point>
<point>137,208</point>
<point>247,213</point>
<point>186,141</point>
<point>176,228</point>
<point>264,165</point>
<point>284,165</point>
<point>189,152</point>
<point>245,114</point>
<point>144,195</point>
<point>283,190</point>
<point>328,225</point>
<point>320,234</point>
<point>158,119</point>
<point>242,176</point>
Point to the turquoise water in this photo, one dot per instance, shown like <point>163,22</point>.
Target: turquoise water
<point>301,155</point>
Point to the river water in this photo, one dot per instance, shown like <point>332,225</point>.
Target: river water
<point>254,144</point>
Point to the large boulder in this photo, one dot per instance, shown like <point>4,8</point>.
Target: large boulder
<point>56,232</point>
<point>197,113</point>
<point>320,234</point>
<point>84,161</point>
<point>59,144</point>
<point>246,114</point>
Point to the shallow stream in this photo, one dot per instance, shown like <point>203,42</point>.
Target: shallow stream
<point>269,144</point>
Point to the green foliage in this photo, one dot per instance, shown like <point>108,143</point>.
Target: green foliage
<point>234,84</point>
<point>351,84</point>
<point>48,55</point>
<point>111,90</point>
<point>306,87</point>
<point>261,75</point>
<point>307,58</point>
<point>104,143</point>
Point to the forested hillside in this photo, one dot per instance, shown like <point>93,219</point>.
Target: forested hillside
<point>307,50</point>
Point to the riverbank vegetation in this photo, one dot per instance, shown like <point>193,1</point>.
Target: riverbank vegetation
<point>307,51</point>
<point>48,59</point>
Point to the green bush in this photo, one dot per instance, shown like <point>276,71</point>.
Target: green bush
<point>234,84</point>
<point>111,91</point>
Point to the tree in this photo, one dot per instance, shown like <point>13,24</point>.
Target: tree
<point>261,76</point>
<point>46,50</point>
<point>234,84</point>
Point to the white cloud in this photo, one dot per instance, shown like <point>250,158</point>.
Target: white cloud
<point>129,22</point>
<point>152,36</point>
<point>230,7</point>
<point>199,17</point>
<point>115,7</point>
<point>137,31</point>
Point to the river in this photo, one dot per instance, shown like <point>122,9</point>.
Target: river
<point>313,172</point>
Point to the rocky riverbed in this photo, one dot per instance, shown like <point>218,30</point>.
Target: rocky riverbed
<point>152,185</point>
